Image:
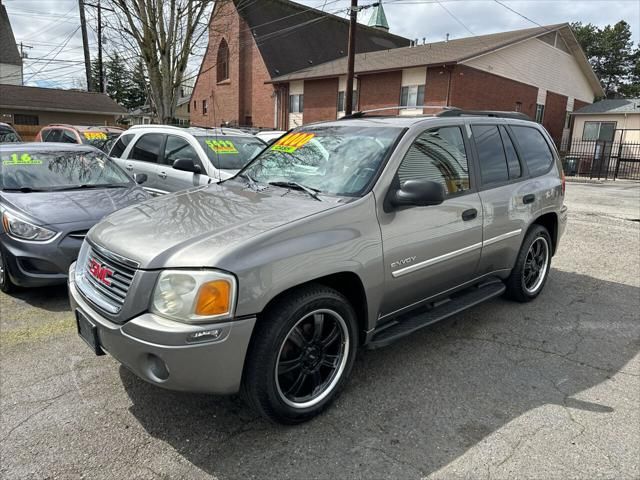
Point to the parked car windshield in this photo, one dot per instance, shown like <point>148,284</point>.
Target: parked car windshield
<point>8,136</point>
<point>227,152</point>
<point>100,140</point>
<point>338,160</point>
<point>40,170</point>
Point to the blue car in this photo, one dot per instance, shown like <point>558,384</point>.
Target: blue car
<point>51,195</point>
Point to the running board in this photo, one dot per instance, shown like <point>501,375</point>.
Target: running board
<point>408,323</point>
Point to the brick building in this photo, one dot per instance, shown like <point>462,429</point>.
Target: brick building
<point>540,71</point>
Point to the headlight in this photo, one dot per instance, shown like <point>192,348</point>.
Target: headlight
<point>23,230</point>
<point>194,296</point>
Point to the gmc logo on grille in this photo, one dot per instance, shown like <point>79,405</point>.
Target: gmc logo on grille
<point>100,272</point>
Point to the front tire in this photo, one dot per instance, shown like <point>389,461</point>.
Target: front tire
<point>6,285</point>
<point>302,352</point>
<point>531,270</point>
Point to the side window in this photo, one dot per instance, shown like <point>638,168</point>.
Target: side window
<point>53,135</point>
<point>534,149</point>
<point>178,147</point>
<point>147,148</point>
<point>120,146</point>
<point>493,163</point>
<point>515,170</point>
<point>438,155</point>
<point>68,137</point>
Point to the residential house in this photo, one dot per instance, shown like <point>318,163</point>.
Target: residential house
<point>10,59</point>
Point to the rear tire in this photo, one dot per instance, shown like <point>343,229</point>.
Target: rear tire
<point>301,354</point>
<point>531,270</point>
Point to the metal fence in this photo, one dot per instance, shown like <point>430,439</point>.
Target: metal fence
<point>600,159</point>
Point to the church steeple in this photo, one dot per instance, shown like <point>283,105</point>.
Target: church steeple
<point>378,18</point>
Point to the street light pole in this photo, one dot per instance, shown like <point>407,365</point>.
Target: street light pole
<point>351,54</point>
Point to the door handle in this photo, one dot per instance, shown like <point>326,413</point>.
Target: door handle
<point>528,198</point>
<point>129,166</point>
<point>162,175</point>
<point>469,214</point>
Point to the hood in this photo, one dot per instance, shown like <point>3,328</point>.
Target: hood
<point>73,206</point>
<point>166,232</point>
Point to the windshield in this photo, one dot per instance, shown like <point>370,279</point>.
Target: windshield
<point>100,140</point>
<point>58,170</point>
<point>230,153</point>
<point>338,160</point>
<point>8,136</point>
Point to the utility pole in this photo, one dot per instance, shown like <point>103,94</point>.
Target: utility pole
<point>24,54</point>
<point>100,66</point>
<point>85,46</point>
<point>351,57</point>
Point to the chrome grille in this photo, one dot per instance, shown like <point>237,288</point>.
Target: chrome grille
<point>119,281</point>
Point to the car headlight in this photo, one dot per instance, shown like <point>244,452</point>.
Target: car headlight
<point>194,296</point>
<point>23,230</point>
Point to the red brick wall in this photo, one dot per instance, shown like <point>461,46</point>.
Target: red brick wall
<point>436,87</point>
<point>477,90</point>
<point>379,90</point>
<point>320,100</point>
<point>245,96</point>
<point>555,112</point>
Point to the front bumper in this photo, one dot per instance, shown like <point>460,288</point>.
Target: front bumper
<point>34,264</point>
<point>157,350</point>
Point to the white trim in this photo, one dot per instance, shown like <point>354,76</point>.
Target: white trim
<point>455,253</point>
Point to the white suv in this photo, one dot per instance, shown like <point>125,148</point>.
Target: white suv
<point>175,158</point>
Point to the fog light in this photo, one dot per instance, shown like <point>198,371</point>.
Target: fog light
<point>156,368</point>
<point>203,335</point>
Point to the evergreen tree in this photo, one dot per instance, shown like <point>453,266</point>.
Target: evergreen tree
<point>137,96</point>
<point>118,79</point>
<point>611,54</point>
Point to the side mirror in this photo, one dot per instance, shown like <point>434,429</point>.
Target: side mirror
<point>140,178</point>
<point>421,193</point>
<point>186,165</point>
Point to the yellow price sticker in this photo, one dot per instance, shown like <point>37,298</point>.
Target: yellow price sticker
<point>95,135</point>
<point>222,146</point>
<point>290,143</point>
<point>24,159</point>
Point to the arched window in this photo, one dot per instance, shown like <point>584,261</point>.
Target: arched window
<point>223,61</point>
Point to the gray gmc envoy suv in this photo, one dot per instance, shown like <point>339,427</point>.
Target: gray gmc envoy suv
<point>341,235</point>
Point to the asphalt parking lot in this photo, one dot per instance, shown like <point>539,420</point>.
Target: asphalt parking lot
<point>550,389</point>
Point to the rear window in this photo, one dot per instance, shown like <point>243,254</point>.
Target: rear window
<point>231,153</point>
<point>101,140</point>
<point>8,136</point>
<point>534,149</point>
<point>120,146</point>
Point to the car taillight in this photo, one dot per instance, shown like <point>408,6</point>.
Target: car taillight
<point>564,183</point>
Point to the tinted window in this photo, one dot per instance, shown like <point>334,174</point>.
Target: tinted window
<point>533,149</point>
<point>231,153</point>
<point>493,163</point>
<point>7,135</point>
<point>515,170</point>
<point>52,135</point>
<point>438,155</point>
<point>68,137</point>
<point>147,149</point>
<point>120,146</point>
<point>178,147</point>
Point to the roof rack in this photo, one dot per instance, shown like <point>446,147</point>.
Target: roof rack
<point>456,112</point>
<point>362,113</point>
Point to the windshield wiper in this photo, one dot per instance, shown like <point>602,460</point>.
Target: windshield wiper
<point>252,182</point>
<point>85,186</point>
<point>26,189</point>
<point>313,192</point>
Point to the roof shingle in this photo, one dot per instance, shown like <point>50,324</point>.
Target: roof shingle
<point>618,105</point>
<point>51,99</point>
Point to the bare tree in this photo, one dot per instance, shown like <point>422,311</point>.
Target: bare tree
<point>165,33</point>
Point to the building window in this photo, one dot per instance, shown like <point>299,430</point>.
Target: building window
<point>188,108</point>
<point>222,61</point>
<point>567,120</point>
<point>296,103</point>
<point>539,113</point>
<point>412,96</point>
<point>204,107</point>
<point>195,106</point>
<point>354,101</point>
<point>518,107</point>
<point>20,119</point>
<point>603,131</point>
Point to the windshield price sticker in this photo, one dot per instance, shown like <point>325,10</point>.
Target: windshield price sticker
<point>292,142</point>
<point>95,135</point>
<point>222,146</point>
<point>24,159</point>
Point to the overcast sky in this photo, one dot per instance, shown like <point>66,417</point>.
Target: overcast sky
<point>51,27</point>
